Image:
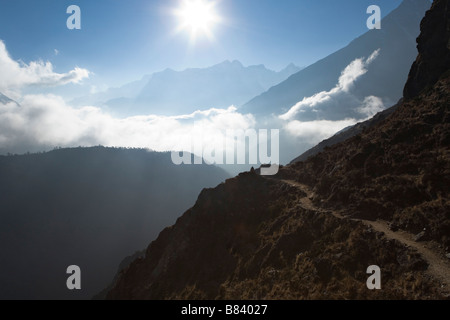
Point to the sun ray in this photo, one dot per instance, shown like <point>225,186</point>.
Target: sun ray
<point>198,18</point>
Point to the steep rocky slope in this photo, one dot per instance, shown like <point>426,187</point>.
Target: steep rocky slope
<point>399,169</point>
<point>252,238</point>
<point>434,50</point>
<point>310,232</point>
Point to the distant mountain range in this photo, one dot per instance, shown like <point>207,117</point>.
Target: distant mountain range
<point>88,207</point>
<point>182,92</point>
<point>385,77</point>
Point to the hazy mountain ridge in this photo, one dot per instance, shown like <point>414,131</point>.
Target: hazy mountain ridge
<point>89,207</point>
<point>385,78</point>
<point>171,92</point>
<point>125,92</point>
<point>291,237</point>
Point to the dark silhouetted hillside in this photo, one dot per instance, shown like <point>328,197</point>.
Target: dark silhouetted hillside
<point>434,52</point>
<point>88,207</point>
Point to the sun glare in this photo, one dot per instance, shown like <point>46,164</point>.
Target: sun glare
<point>198,17</point>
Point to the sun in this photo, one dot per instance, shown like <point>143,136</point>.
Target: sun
<point>198,17</point>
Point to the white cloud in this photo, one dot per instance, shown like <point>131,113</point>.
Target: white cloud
<point>15,75</point>
<point>316,131</point>
<point>56,52</point>
<point>339,100</point>
<point>322,115</point>
<point>371,106</point>
<point>354,70</point>
<point>45,121</point>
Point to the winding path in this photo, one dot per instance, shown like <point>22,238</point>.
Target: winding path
<point>439,267</point>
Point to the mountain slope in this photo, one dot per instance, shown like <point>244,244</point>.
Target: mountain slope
<point>309,233</point>
<point>89,207</point>
<point>386,76</point>
<point>434,52</point>
<point>345,134</point>
<point>399,169</point>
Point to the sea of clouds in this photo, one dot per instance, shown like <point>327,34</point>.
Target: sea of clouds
<point>40,122</point>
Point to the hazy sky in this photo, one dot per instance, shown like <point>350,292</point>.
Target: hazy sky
<point>122,40</point>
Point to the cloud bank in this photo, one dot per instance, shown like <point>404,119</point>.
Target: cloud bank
<point>46,121</point>
<point>337,103</point>
<point>320,116</point>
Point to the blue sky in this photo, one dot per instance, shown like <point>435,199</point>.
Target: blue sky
<point>120,41</point>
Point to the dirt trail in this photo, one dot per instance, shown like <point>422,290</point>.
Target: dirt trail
<point>439,267</point>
